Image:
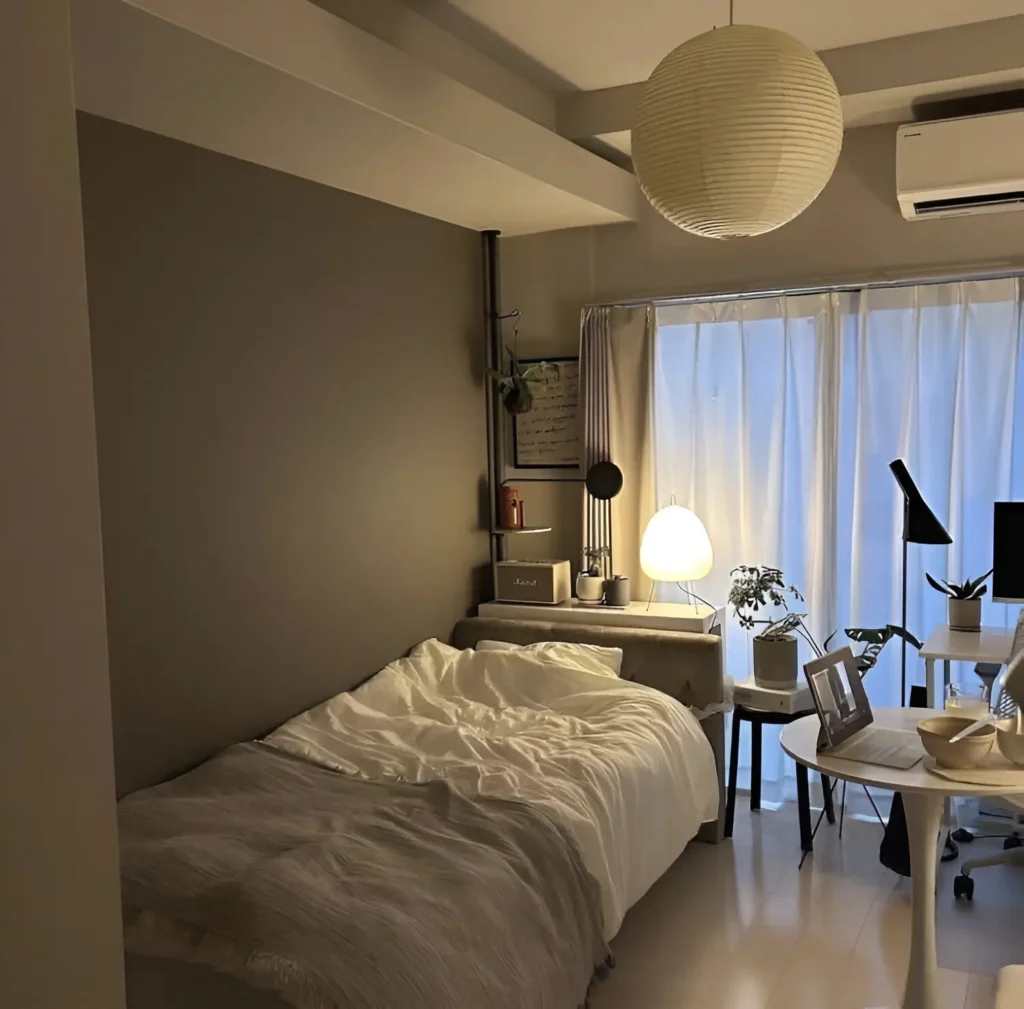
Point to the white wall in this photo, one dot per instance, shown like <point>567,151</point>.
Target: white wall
<point>60,923</point>
<point>853,232</point>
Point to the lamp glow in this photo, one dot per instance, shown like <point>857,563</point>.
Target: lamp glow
<point>676,547</point>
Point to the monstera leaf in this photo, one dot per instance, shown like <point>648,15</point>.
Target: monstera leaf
<point>874,640</point>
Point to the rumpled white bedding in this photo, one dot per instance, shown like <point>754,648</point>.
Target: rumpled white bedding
<point>625,768</point>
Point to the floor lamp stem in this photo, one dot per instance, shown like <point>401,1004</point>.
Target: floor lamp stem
<point>903,641</point>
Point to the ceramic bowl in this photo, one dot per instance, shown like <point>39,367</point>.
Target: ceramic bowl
<point>1011,742</point>
<point>935,736</point>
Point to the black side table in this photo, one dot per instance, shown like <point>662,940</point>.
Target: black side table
<point>803,795</point>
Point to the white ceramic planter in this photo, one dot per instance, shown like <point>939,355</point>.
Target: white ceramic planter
<point>589,588</point>
<point>775,663</point>
<point>963,614</point>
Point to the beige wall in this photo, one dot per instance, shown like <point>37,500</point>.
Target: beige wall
<point>548,284</point>
<point>60,926</point>
<point>290,415</point>
<point>853,232</point>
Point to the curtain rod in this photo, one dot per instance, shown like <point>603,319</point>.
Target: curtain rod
<point>1003,273</point>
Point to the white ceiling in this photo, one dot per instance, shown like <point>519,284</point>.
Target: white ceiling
<point>604,43</point>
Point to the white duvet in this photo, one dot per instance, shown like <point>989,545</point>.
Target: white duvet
<point>626,769</point>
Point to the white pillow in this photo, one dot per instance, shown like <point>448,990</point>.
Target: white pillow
<point>593,658</point>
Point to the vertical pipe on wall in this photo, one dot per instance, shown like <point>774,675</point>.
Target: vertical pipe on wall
<point>606,441</point>
<point>492,329</point>
<point>588,391</point>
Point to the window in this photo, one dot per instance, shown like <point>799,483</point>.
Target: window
<point>775,419</point>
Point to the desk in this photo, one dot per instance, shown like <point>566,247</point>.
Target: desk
<point>923,795</point>
<point>990,645</point>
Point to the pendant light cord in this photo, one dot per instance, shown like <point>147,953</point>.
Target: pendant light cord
<point>731,2</point>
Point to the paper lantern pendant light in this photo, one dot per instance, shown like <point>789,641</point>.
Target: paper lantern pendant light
<point>738,131</point>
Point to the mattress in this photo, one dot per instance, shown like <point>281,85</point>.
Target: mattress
<point>626,769</point>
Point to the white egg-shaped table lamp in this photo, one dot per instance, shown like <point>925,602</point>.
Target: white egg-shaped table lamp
<point>676,547</point>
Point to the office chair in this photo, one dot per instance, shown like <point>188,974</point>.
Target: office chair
<point>1005,706</point>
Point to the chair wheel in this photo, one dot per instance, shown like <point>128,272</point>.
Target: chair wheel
<point>963,886</point>
<point>963,836</point>
<point>1012,842</point>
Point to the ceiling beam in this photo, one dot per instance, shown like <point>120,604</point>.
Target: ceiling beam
<point>288,85</point>
<point>878,81</point>
<point>407,29</point>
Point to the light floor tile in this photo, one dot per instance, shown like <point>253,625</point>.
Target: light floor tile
<point>981,992</point>
<point>737,926</point>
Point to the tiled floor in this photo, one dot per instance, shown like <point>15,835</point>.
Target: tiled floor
<point>736,926</point>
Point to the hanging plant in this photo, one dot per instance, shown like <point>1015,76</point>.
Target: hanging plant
<point>514,387</point>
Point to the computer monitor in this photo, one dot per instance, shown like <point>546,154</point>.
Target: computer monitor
<point>1008,552</point>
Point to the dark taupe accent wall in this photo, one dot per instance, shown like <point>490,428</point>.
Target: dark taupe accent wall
<point>291,437</point>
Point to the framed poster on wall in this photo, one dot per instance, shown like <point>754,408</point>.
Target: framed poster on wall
<point>547,441</point>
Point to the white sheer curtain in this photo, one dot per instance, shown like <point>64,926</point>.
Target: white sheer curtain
<point>776,419</point>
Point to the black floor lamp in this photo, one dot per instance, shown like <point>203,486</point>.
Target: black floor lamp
<point>919,526</point>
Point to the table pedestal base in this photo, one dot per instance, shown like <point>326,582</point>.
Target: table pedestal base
<point>924,818</point>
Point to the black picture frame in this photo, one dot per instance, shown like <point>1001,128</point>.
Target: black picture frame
<point>559,471</point>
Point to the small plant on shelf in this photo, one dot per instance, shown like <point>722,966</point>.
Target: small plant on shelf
<point>970,589</point>
<point>594,557</point>
<point>963,602</point>
<point>590,580</point>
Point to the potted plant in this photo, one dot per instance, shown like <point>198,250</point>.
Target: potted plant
<point>590,581</point>
<point>757,590</point>
<point>963,605</point>
<point>516,394</point>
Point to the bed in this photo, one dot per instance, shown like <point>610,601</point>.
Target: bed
<point>626,772</point>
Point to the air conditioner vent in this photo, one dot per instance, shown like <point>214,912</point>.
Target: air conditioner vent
<point>954,167</point>
<point>923,207</point>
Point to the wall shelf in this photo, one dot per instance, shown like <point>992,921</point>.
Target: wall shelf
<point>524,530</point>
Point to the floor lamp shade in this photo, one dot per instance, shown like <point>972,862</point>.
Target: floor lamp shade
<point>920,524</point>
<point>676,547</point>
<point>738,131</point>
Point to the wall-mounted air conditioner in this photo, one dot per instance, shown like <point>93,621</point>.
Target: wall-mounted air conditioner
<point>953,167</point>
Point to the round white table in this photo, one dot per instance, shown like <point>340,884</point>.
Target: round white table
<point>923,795</point>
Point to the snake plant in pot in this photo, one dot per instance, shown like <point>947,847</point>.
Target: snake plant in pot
<point>756,593</point>
<point>963,603</point>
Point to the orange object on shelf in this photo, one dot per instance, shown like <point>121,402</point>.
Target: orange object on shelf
<point>511,516</point>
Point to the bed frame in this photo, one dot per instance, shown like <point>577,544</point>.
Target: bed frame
<point>688,666</point>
